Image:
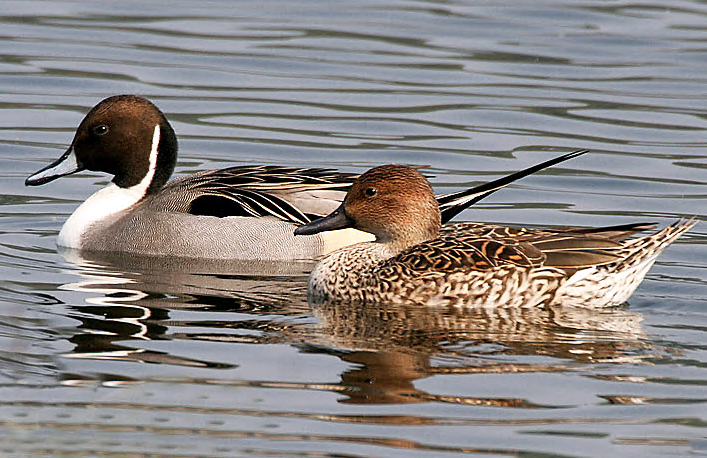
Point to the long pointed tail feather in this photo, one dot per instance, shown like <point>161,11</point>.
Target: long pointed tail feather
<point>452,204</point>
<point>652,245</point>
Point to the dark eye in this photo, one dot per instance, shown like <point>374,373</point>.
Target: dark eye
<point>100,129</point>
<point>370,192</point>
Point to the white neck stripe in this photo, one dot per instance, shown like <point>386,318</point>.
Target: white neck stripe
<point>107,202</point>
<point>145,183</point>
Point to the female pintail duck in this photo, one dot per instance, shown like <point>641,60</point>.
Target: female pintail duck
<point>236,213</point>
<point>414,260</point>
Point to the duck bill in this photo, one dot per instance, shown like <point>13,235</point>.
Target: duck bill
<point>336,220</point>
<point>65,165</point>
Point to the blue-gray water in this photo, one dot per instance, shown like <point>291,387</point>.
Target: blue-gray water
<point>134,359</point>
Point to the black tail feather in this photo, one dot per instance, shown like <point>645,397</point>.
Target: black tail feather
<point>452,204</point>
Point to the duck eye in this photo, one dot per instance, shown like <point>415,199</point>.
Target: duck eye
<point>370,192</point>
<point>100,129</point>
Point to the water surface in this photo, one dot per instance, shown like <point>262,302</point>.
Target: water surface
<point>134,357</point>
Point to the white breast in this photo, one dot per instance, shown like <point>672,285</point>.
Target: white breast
<point>104,203</point>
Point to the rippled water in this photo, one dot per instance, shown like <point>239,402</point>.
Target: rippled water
<point>136,357</point>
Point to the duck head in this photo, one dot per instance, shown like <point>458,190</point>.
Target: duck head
<point>126,136</point>
<point>393,202</point>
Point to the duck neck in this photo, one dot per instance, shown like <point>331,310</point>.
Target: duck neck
<point>400,238</point>
<point>398,244</point>
<point>164,148</point>
<point>161,160</point>
<point>115,199</point>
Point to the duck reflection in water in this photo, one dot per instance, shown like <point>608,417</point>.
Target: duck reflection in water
<point>393,346</point>
<point>387,349</point>
<point>132,298</point>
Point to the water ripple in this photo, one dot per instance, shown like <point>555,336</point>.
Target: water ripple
<point>172,357</point>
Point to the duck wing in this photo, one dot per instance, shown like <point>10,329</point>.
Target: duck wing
<point>299,195</point>
<point>569,249</point>
<point>449,254</point>
<point>296,195</point>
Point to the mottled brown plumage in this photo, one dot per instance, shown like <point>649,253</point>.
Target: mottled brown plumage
<point>414,260</point>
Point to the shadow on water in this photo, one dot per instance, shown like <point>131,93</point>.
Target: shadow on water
<point>386,348</point>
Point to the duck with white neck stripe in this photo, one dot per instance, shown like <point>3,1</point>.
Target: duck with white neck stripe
<point>246,212</point>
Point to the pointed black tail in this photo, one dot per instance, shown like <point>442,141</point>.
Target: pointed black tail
<point>452,204</point>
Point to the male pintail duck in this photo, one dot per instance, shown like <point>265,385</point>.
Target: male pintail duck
<point>236,213</point>
<point>416,260</point>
